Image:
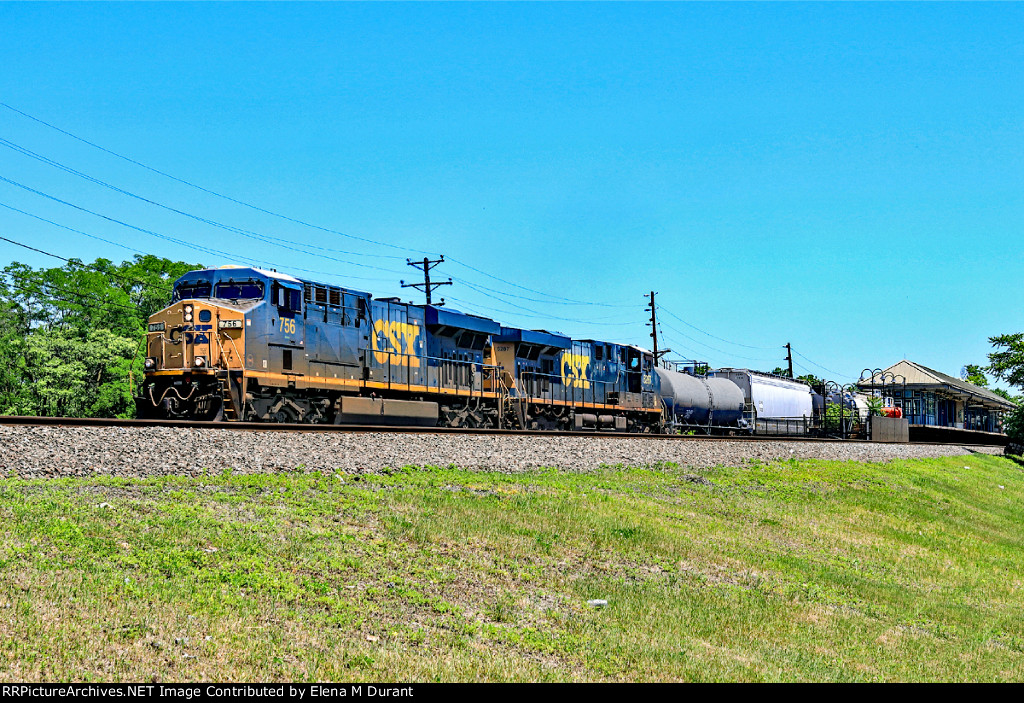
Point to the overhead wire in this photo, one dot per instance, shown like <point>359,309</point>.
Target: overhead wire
<point>258,236</point>
<point>294,220</point>
<point>102,302</point>
<point>82,264</point>
<point>206,190</point>
<point>203,249</point>
<point>823,368</point>
<point>720,351</point>
<point>721,339</point>
<point>554,317</point>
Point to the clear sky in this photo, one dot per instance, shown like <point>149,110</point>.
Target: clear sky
<point>845,177</point>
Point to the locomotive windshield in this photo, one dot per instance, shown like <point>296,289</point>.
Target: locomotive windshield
<point>189,290</point>
<point>250,290</point>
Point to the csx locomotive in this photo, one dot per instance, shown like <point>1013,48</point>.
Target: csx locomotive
<point>247,344</point>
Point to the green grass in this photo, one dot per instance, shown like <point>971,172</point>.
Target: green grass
<point>793,571</point>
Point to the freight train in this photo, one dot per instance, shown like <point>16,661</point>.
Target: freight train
<point>246,344</point>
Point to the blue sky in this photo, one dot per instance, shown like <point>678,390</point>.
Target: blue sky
<point>845,177</point>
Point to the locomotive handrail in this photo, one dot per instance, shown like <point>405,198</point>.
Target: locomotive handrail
<point>566,388</point>
<point>486,370</point>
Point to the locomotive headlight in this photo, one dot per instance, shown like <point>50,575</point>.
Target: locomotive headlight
<point>188,317</point>
<point>188,309</point>
<point>200,361</point>
<point>150,362</point>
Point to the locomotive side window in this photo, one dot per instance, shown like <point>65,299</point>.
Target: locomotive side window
<point>598,352</point>
<point>286,298</point>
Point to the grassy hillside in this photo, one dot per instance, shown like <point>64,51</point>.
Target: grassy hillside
<point>800,570</point>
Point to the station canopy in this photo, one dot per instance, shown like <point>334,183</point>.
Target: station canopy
<point>923,378</point>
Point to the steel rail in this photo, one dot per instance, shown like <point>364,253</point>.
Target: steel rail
<point>22,420</point>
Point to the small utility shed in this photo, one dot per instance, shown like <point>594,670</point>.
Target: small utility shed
<point>935,399</point>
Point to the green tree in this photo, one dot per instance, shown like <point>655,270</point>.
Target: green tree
<point>71,342</point>
<point>1007,363</point>
<point>976,375</point>
<point>811,380</point>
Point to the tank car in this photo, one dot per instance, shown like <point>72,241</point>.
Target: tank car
<point>701,403</point>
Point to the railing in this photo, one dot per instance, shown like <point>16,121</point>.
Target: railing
<point>781,425</point>
<point>553,387</point>
<point>473,377</point>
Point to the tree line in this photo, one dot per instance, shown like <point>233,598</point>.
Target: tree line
<point>71,338</point>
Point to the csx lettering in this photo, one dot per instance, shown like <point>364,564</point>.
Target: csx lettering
<point>575,370</point>
<point>396,340</point>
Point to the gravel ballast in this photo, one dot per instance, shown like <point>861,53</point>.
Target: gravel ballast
<point>40,452</point>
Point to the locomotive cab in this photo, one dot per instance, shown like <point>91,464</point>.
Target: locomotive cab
<point>196,345</point>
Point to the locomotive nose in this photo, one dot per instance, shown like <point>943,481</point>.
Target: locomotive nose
<point>196,336</point>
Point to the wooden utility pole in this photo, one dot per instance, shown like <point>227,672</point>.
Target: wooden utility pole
<point>658,353</point>
<point>427,287</point>
<point>789,358</point>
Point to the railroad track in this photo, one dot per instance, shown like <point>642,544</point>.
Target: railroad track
<point>356,429</point>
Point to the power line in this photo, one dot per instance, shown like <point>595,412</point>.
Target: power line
<point>203,249</point>
<point>265,210</point>
<point>206,190</point>
<point>721,339</point>
<point>549,316</point>
<point>539,292</point>
<point>823,368</point>
<point>720,351</point>
<point>277,241</point>
<point>258,236</point>
<point>82,264</point>
<point>101,302</point>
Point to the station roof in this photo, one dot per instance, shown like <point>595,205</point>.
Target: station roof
<point>922,377</point>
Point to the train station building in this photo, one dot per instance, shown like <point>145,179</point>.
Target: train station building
<point>930,398</point>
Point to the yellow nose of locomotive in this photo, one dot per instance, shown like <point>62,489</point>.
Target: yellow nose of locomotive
<point>195,336</point>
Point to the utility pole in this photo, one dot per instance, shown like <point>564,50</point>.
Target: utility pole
<point>654,331</point>
<point>427,287</point>
<point>789,358</point>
